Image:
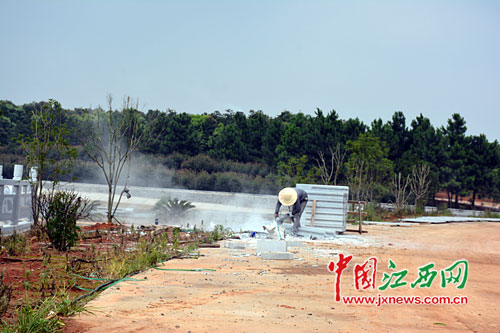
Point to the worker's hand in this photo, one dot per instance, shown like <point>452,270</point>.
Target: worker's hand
<point>275,215</point>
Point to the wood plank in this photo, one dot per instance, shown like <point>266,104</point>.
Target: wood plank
<point>312,213</point>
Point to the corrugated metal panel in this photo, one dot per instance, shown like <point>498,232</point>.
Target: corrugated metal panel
<point>331,206</point>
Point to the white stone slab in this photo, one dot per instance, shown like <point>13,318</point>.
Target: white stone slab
<point>271,245</point>
<point>277,256</point>
<point>234,245</point>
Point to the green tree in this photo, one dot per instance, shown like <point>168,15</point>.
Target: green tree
<point>297,138</point>
<point>48,151</point>
<point>352,128</point>
<point>226,143</point>
<point>427,146</point>
<point>483,165</point>
<point>368,167</point>
<point>295,170</point>
<point>396,135</point>
<point>270,141</point>
<point>454,175</point>
<point>258,125</point>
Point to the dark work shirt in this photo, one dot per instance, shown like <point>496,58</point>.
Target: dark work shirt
<point>301,197</point>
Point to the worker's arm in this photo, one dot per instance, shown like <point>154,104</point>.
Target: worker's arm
<point>277,210</point>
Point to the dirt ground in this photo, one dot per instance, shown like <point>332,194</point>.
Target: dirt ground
<point>248,294</point>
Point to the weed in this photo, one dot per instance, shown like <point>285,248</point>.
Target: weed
<point>44,280</point>
<point>35,319</point>
<point>220,233</point>
<point>42,317</point>
<point>14,244</point>
<point>373,212</point>
<point>5,294</point>
<point>491,215</point>
<point>149,252</point>
<point>175,241</point>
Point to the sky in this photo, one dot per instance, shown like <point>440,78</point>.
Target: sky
<point>364,59</point>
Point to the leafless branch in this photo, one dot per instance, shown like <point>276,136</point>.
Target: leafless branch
<point>331,169</point>
<point>419,181</point>
<point>399,186</point>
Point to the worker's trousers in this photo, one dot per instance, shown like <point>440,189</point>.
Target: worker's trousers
<point>296,217</point>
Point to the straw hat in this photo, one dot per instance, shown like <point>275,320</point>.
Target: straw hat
<point>287,196</point>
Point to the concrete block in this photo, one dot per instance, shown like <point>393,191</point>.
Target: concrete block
<point>234,245</point>
<point>277,256</point>
<point>271,245</point>
<point>294,243</point>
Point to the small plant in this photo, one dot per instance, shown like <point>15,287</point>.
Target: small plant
<point>175,241</point>
<point>372,212</point>
<point>220,233</point>
<point>491,215</point>
<point>5,294</point>
<point>42,317</point>
<point>27,283</point>
<point>14,244</point>
<point>172,208</point>
<point>150,251</point>
<point>60,212</point>
<point>67,307</point>
<point>44,280</point>
<point>33,319</point>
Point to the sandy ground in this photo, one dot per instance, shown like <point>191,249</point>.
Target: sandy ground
<point>248,294</point>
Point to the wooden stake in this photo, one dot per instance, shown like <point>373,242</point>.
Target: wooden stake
<point>313,212</point>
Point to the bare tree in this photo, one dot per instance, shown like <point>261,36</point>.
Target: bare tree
<point>399,191</point>
<point>116,136</point>
<point>330,170</point>
<point>419,181</point>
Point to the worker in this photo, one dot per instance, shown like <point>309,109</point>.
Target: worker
<point>295,198</point>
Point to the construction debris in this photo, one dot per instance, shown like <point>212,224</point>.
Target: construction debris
<point>312,232</point>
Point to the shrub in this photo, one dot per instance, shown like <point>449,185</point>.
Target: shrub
<point>228,182</point>
<point>60,211</point>
<point>174,161</point>
<point>205,181</point>
<point>185,178</point>
<point>200,163</point>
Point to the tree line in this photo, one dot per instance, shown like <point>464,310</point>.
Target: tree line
<point>254,152</point>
